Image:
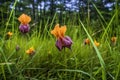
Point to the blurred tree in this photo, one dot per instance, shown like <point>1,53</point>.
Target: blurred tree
<point>4,11</point>
<point>66,9</point>
<point>33,8</point>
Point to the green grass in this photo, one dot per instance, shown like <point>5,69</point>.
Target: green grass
<point>83,62</point>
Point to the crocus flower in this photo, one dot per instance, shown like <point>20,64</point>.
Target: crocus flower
<point>86,41</point>
<point>96,43</point>
<point>113,40</point>
<point>30,51</point>
<point>62,40</point>
<point>24,26</point>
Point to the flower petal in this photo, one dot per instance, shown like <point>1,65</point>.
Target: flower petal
<point>96,43</point>
<point>67,42</point>
<point>24,28</point>
<point>63,42</point>
<point>63,30</point>
<point>86,41</point>
<point>59,32</point>
<point>24,19</point>
<point>56,31</point>
<point>59,44</point>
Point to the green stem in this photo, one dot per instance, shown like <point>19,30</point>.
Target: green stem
<point>6,61</point>
<point>97,52</point>
<point>2,67</point>
<point>10,17</point>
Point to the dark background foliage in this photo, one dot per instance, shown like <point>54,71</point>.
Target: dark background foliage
<point>41,10</point>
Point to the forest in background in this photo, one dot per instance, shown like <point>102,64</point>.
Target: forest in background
<point>41,10</point>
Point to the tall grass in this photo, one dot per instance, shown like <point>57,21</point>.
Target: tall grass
<point>83,62</point>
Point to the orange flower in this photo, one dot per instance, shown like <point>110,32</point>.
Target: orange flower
<point>87,41</point>
<point>96,43</point>
<point>24,26</point>
<point>59,32</point>
<point>9,34</point>
<point>30,51</point>
<point>62,40</point>
<point>24,19</point>
<point>114,39</point>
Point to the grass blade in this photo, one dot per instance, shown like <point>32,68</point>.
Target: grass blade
<point>97,51</point>
<point>79,71</point>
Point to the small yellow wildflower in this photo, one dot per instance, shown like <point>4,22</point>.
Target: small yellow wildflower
<point>30,51</point>
<point>86,41</point>
<point>96,43</point>
<point>9,34</point>
<point>113,40</point>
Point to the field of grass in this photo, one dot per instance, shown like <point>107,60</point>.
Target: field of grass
<point>82,62</point>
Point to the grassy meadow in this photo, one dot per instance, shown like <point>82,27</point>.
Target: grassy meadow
<point>81,62</point>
